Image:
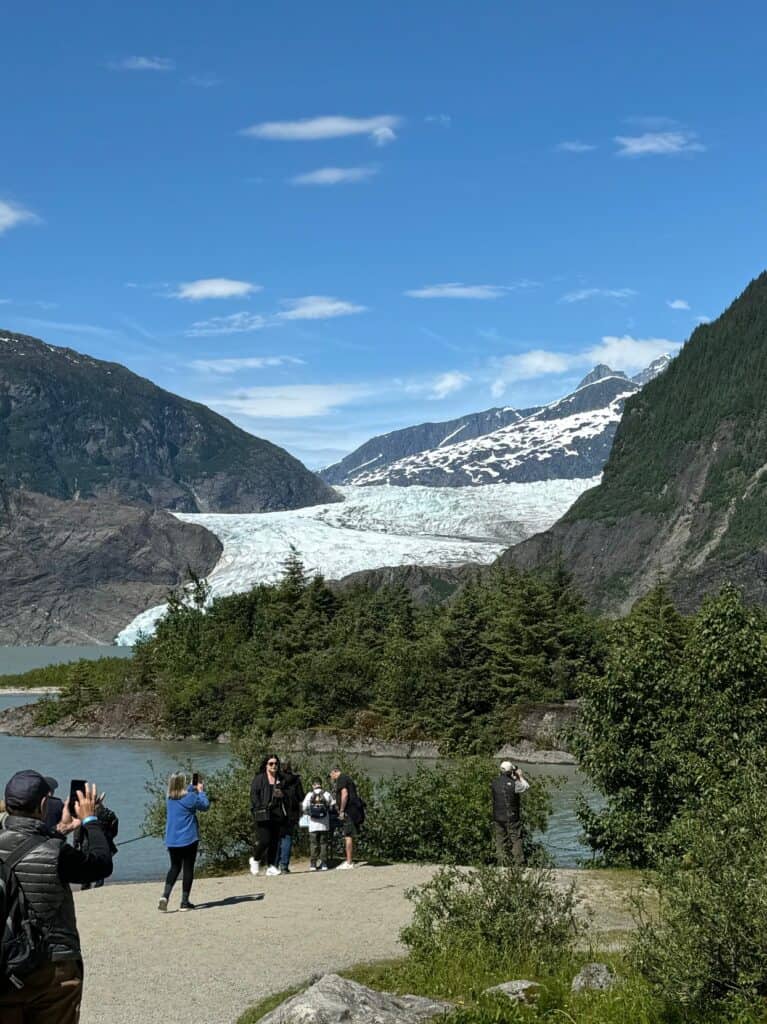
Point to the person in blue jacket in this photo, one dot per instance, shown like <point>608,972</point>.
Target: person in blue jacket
<point>182,835</point>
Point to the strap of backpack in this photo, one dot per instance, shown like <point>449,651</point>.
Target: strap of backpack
<point>21,851</point>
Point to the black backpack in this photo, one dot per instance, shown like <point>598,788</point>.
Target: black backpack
<point>318,807</point>
<point>23,947</point>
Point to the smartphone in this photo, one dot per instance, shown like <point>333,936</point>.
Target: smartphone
<point>75,786</point>
<point>196,779</point>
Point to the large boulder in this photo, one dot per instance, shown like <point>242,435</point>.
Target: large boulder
<point>517,991</point>
<point>594,976</point>
<point>336,1000</point>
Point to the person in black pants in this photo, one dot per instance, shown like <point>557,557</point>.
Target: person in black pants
<point>267,805</point>
<point>182,835</point>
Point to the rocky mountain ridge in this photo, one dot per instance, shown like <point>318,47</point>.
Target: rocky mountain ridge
<point>72,426</point>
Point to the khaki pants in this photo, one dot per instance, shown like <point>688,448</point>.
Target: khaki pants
<point>508,842</point>
<point>51,995</point>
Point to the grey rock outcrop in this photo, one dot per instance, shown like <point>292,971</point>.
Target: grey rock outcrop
<point>78,571</point>
<point>336,1000</point>
<point>516,991</point>
<point>594,977</point>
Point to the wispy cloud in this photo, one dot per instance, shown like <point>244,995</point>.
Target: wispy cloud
<point>5,302</point>
<point>665,143</point>
<point>443,120</point>
<point>334,176</point>
<point>380,129</point>
<point>215,288</point>
<point>448,383</point>
<point>702,319</point>
<point>69,328</point>
<point>628,353</point>
<point>291,401</point>
<point>208,80</point>
<point>575,146</point>
<point>229,366</point>
<point>143,64</point>
<point>318,307</point>
<point>526,366</point>
<point>457,290</point>
<point>582,294</point>
<point>678,304</point>
<point>236,323</point>
<point>12,214</point>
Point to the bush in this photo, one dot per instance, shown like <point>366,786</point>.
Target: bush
<point>707,950</point>
<point>472,927</point>
<point>442,815</point>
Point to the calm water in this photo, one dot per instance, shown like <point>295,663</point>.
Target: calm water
<point>22,659</point>
<point>121,768</point>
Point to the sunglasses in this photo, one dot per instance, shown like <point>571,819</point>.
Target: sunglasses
<point>272,762</point>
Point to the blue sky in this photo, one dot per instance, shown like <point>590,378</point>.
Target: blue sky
<point>331,220</point>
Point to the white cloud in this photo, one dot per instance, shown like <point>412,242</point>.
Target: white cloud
<point>443,120</point>
<point>292,401</point>
<point>237,323</point>
<point>582,294</point>
<point>143,64</point>
<point>456,290</point>
<point>5,302</point>
<point>208,80</point>
<point>702,319</point>
<point>678,304</point>
<point>526,366</point>
<point>12,214</point>
<point>627,353</point>
<point>334,176</point>
<point>380,129</point>
<point>68,328</point>
<point>215,288</point>
<point>669,143</point>
<point>448,383</point>
<point>227,366</point>
<point>318,307</point>
<point>575,146</point>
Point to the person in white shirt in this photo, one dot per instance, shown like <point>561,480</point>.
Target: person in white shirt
<point>507,820</point>
<point>316,806</point>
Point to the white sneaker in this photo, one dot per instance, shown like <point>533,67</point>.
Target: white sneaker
<point>254,866</point>
<point>313,867</point>
<point>346,866</point>
<point>272,870</point>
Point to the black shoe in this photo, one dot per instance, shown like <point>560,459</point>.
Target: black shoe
<point>187,906</point>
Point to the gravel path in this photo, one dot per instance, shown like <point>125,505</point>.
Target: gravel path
<point>252,937</point>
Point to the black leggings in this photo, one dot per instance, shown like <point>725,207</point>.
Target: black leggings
<point>181,857</point>
<point>267,841</point>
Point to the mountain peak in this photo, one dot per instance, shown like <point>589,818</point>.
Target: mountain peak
<point>656,367</point>
<point>600,371</point>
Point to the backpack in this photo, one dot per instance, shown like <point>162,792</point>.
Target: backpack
<point>22,943</point>
<point>318,807</point>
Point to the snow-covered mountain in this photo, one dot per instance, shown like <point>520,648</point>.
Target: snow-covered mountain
<point>566,440</point>
<point>375,527</point>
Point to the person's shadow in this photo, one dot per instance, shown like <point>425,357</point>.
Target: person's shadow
<point>230,901</point>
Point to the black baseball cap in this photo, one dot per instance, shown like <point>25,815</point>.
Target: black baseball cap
<point>53,784</point>
<point>26,790</point>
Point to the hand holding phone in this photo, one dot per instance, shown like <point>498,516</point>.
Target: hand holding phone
<point>196,779</point>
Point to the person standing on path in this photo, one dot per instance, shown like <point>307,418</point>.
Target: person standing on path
<point>47,867</point>
<point>293,789</point>
<point>54,806</point>
<point>182,835</point>
<point>507,788</point>
<point>351,812</point>
<point>316,806</point>
<point>110,825</point>
<point>267,805</point>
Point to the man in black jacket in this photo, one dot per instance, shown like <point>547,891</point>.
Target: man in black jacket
<point>507,820</point>
<point>52,993</point>
<point>293,790</point>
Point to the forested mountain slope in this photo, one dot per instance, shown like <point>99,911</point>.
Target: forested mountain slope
<point>684,492</point>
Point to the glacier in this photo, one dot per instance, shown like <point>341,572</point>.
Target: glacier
<point>375,527</point>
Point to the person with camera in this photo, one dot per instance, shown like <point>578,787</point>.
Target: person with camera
<point>47,987</point>
<point>507,788</point>
<point>182,834</point>
<point>267,805</point>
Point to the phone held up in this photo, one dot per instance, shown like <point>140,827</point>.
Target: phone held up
<point>75,786</point>
<point>196,779</point>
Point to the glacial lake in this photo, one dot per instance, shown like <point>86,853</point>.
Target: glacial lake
<point>122,768</point>
<point>22,659</point>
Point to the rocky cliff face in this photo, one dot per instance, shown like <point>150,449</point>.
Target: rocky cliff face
<point>684,492</point>
<point>77,571</point>
<point>72,426</point>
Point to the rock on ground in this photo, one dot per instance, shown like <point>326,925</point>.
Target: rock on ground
<point>594,976</point>
<point>516,991</point>
<point>336,1000</point>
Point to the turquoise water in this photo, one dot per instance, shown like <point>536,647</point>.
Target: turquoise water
<point>22,659</point>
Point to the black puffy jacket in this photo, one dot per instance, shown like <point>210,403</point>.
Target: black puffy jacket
<point>506,807</point>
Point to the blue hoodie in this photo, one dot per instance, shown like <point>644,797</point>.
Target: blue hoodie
<point>181,826</point>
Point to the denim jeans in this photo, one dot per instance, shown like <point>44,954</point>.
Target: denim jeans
<point>285,848</point>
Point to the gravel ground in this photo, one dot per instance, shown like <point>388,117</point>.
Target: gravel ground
<point>252,937</point>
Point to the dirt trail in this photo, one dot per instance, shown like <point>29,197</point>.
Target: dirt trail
<point>251,937</point>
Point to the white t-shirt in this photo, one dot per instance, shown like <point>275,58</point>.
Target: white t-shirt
<point>318,824</point>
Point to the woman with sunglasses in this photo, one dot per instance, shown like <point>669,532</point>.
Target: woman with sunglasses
<point>267,805</point>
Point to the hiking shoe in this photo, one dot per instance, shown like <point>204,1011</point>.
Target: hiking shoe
<point>272,870</point>
<point>187,906</point>
<point>254,866</point>
<point>313,867</point>
<point>346,866</point>
<point>163,904</point>
<point>323,866</point>
<point>284,870</point>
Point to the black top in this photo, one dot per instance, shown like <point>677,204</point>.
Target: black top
<point>54,809</point>
<point>265,796</point>
<point>294,795</point>
<point>353,802</point>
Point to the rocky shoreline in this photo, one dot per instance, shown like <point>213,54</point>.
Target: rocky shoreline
<point>132,717</point>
